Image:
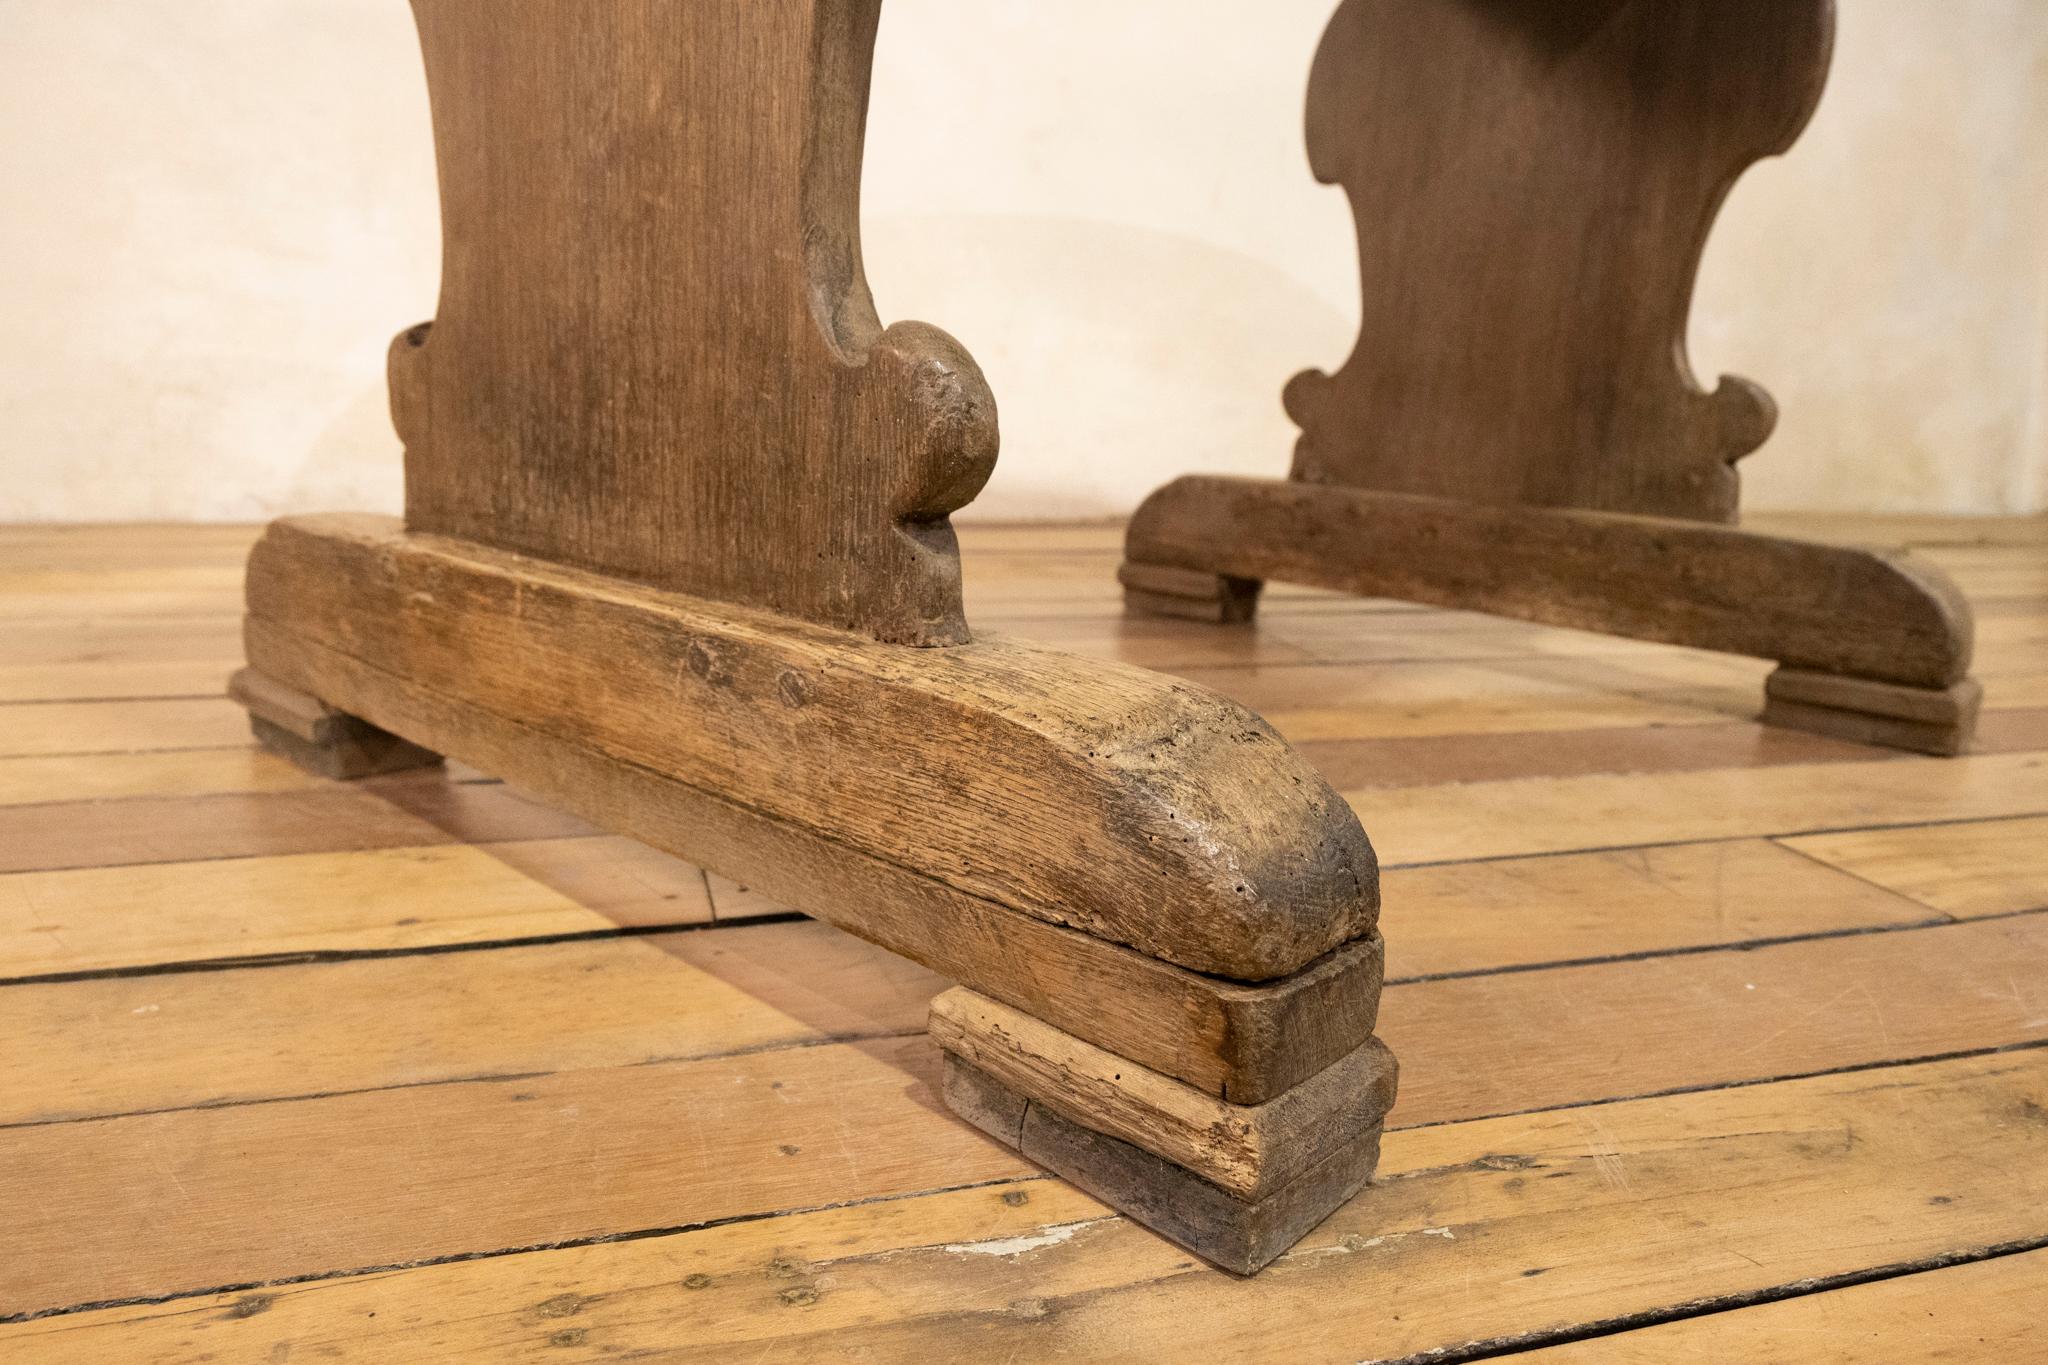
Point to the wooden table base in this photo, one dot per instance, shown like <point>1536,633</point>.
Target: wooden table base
<point>1874,645</point>
<point>1518,430</point>
<point>676,558</point>
<point>1019,820</point>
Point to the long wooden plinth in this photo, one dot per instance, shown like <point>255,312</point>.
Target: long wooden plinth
<point>1892,631</point>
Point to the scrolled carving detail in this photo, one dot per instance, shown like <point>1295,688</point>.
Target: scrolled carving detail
<point>1533,182</point>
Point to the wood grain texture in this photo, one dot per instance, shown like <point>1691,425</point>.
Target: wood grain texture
<point>1626,1208</point>
<point>1238,1234</point>
<point>1485,1237</point>
<point>605,1150</point>
<point>383,812</point>
<point>1532,185</point>
<point>1888,616</point>
<point>126,1034</point>
<point>1248,1150</point>
<point>364,900</point>
<point>117,1045</point>
<point>1968,869</point>
<point>1138,809</point>
<point>1311,702</point>
<point>1243,1041</point>
<point>1717,1018</point>
<point>50,728</point>
<point>655,354</point>
<point>1386,764</point>
<point>1982,1311</point>
<point>1471,917</point>
<point>1523,816</point>
<point>571,1155</point>
<point>62,778</point>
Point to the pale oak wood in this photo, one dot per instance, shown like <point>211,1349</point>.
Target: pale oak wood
<point>100,681</point>
<point>164,773</point>
<point>1714,1018</point>
<point>50,728</point>
<point>1562,1194</point>
<point>1557,815</point>
<point>375,900</point>
<point>1466,917</point>
<point>399,811</point>
<point>1361,765</point>
<point>501,893</point>
<point>592,1152</point>
<point>1967,869</point>
<point>123,1045</point>
<point>570,1155</point>
<point>1985,1310</point>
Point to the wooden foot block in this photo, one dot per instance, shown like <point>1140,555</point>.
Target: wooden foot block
<point>1187,594</point>
<point>1928,720</point>
<point>1237,1184</point>
<point>319,738</point>
<point>1237,1234</point>
<point>1249,1150</point>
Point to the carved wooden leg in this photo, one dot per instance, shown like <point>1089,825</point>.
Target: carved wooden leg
<point>676,557</point>
<point>1517,430</point>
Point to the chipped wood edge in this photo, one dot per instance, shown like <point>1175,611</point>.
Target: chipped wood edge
<point>1238,1235</point>
<point>1248,1150</point>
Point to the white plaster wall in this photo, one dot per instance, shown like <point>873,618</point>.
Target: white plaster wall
<point>218,211</point>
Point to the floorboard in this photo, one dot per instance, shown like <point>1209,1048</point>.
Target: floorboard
<point>1718,1042</point>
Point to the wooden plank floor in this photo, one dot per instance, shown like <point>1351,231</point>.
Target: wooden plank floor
<point>1718,1043</point>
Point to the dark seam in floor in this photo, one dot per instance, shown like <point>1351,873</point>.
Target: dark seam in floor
<point>1846,1069</point>
<point>479,1078</point>
<point>325,957</point>
<point>456,1258</point>
<point>1727,946</point>
<point>1709,1307</point>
